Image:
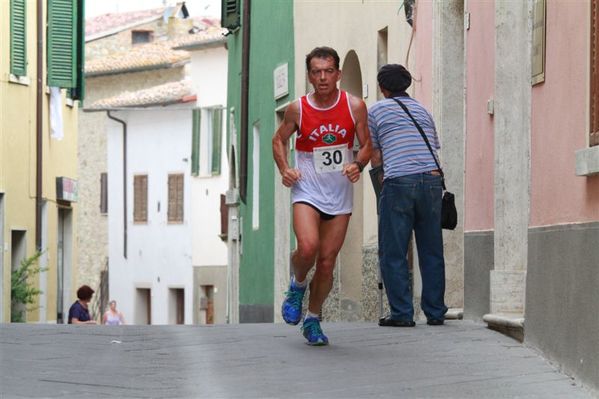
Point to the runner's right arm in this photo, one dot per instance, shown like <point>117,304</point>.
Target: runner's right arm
<point>280,144</point>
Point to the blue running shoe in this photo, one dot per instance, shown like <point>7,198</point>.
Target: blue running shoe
<point>292,305</point>
<point>313,333</point>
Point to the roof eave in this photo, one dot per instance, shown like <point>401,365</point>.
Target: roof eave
<point>169,65</point>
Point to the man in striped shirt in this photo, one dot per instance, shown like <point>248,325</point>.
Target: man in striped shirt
<point>410,199</point>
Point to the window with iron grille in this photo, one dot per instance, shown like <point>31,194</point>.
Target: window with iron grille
<point>140,198</point>
<point>175,198</point>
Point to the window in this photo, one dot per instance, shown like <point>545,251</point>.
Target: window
<point>206,141</point>
<point>230,14</point>
<point>103,193</point>
<point>140,199</point>
<point>195,141</point>
<point>256,179</point>
<point>175,198</point>
<point>141,36</point>
<point>594,68</point>
<point>66,45</point>
<point>18,38</point>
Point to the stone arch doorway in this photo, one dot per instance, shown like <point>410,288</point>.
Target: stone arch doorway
<point>349,268</point>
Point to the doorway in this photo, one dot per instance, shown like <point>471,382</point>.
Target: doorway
<point>64,256</point>
<point>350,258</point>
<point>143,306</point>
<point>18,251</point>
<point>177,306</point>
<point>2,258</point>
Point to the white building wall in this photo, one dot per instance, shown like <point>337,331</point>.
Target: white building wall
<point>208,74</point>
<point>158,253</point>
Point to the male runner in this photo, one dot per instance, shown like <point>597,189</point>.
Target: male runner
<point>326,121</point>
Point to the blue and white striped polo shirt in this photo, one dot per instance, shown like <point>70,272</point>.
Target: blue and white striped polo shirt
<point>393,132</point>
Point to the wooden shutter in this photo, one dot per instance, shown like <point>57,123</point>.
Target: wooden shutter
<point>175,198</point>
<point>18,37</point>
<point>140,198</point>
<point>62,44</point>
<point>230,14</point>
<point>195,142</point>
<point>594,67</point>
<point>217,132</point>
<point>78,92</point>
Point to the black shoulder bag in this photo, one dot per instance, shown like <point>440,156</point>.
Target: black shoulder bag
<point>449,213</point>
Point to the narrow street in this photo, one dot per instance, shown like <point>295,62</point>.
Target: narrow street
<point>459,360</point>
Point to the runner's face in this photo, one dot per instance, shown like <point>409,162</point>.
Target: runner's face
<point>323,75</point>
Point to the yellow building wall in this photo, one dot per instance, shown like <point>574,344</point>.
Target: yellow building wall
<point>18,168</point>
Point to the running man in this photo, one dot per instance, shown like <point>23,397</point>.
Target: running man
<point>326,121</point>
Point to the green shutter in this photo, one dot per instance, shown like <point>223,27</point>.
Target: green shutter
<point>62,43</point>
<point>195,142</point>
<point>230,14</point>
<point>217,128</point>
<point>18,38</point>
<point>78,92</point>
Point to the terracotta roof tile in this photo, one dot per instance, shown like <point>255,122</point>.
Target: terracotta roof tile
<point>140,57</point>
<point>108,22</point>
<point>210,35</point>
<point>169,93</point>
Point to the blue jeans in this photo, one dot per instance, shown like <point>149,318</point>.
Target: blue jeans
<point>412,203</point>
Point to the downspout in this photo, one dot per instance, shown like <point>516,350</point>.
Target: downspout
<point>245,79</point>
<point>122,122</point>
<point>39,136</point>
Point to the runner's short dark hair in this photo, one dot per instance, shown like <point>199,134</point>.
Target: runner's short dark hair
<point>85,293</point>
<point>322,52</point>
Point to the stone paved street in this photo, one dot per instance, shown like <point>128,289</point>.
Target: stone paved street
<point>459,360</point>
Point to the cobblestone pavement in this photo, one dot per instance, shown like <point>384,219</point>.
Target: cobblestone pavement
<point>459,360</point>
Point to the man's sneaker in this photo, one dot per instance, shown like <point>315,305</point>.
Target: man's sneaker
<point>292,305</point>
<point>313,333</point>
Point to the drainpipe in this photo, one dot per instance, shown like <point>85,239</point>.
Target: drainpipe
<point>122,122</point>
<point>39,137</point>
<point>245,79</point>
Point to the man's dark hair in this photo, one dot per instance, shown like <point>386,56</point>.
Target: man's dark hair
<point>322,52</point>
<point>85,293</point>
<point>394,77</point>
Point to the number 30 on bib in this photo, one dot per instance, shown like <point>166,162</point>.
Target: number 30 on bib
<point>330,159</point>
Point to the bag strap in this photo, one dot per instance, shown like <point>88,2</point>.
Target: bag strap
<point>402,105</point>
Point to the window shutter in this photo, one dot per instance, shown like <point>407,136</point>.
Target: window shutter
<point>195,142</point>
<point>62,43</point>
<point>230,14</point>
<point>140,198</point>
<point>217,128</point>
<point>175,198</point>
<point>594,100</point>
<point>78,92</point>
<point>18,38</point>
<point>103,193</point>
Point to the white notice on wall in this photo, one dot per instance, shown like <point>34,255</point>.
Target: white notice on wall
<point>281,81</point>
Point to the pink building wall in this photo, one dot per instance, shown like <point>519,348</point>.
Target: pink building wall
<point>422,47</point>
<point>560,121</point>
<point>480,82</point>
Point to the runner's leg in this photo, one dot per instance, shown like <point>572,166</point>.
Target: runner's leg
<point>332,235</point>
<point>306,221</point>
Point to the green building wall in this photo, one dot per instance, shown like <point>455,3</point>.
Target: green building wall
<point>271,45</point>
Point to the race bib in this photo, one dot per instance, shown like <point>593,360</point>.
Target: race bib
<point>330,159</point>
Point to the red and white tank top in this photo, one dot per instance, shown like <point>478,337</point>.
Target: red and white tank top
<point>323,145</point>
<point>320,127</point>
